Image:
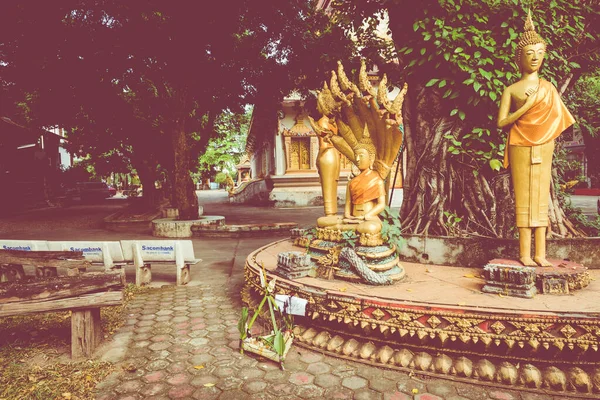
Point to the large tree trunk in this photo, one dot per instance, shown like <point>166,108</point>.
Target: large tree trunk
<point>184,195</point>
<point>443,193</point>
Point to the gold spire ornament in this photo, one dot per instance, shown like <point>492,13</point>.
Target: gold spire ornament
<point>528,37</point>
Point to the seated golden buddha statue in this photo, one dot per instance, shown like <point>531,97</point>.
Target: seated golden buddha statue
<point>536,115</point>
<point>365,199</point>
<point>360,122</point>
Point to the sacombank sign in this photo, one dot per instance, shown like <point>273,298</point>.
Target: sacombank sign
<point>22,248</point>
<point>87,250</point>
<point>158,249</point>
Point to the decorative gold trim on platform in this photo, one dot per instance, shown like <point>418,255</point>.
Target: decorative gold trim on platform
<point>336,235</point>
<point>510,335</point>
<point>553,377</point>
<point>530,376</point>
<point>549,353</point>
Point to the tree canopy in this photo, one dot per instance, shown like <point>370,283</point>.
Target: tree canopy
<point>457,57</point>
<point>150,78</point>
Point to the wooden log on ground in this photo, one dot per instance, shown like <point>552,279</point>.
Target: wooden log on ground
<point>62,287</point>
<point>66,259</point>
<point>11,272</point>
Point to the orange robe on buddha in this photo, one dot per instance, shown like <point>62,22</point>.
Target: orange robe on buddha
<point>365,187</point>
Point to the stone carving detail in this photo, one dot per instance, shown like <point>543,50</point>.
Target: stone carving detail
<point>294,264</point>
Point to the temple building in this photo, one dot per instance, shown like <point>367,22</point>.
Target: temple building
<point>30,165</point>
<point>283,151</point>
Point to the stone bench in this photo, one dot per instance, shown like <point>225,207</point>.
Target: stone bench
<point>82,294</point>
<point>143,253</point>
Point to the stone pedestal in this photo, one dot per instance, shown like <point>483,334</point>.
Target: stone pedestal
<point>510,278</point>
<point>294,265</point>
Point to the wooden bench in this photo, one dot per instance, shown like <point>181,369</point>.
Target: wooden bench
<point>82,294</point>
<point>143,253</point>
<point>44,262</point>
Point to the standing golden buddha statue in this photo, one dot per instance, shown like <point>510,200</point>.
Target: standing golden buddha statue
<point>535,115</point>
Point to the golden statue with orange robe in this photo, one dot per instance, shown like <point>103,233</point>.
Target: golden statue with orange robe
<point>365,126</point>
<point>536,115</point>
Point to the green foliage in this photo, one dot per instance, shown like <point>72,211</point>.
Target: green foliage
<point>349,238</point>
<point>584,101</point>
<point>391,229</point>
<point>148,80</point>
<point>223,152</point>
<point>590,226</point>
<point>243,323</point>
<point>465,52</point>
<point>221,178</point>
<point>278,342</point>
<point>452,221</point>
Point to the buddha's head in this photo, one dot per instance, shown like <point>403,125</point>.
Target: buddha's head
<point>363,161</point>
<point>364,155</point>
<point>530,48</point>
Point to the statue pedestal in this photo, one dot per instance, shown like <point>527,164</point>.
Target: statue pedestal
<point>294,265</point>
<point>375,265</point>
<point>510,278</point>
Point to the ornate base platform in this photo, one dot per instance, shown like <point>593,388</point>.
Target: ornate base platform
<point>510,278</point>
<point>380,259</point>
<point>438,322</point>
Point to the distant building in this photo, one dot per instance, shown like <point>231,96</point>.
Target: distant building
<point>574,145</point>
<point>30,164</point>
<point>283,151</point>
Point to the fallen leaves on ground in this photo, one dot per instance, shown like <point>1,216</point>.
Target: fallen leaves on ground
<point>35,355</point>
<point>75,381</point>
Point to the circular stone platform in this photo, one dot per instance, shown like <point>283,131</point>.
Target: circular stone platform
<point>174,228</point>
<point>438,322</point>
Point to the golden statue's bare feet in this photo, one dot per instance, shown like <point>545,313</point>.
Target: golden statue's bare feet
<point>527,261</point>
<point>542,262</point>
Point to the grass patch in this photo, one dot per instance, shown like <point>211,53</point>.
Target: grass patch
<point>35,355</point>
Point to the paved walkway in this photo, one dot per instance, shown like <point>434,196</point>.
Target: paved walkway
<point>182,342</point>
